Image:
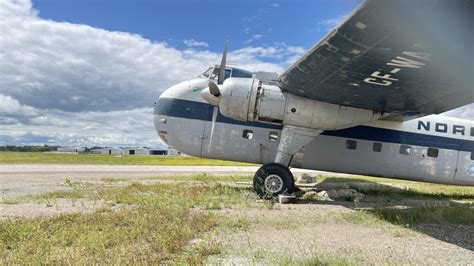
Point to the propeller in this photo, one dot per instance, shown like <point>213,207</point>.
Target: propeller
<point>212,93</point>
<point>221,77</point>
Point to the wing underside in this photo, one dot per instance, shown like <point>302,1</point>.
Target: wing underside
<point>400,57</point>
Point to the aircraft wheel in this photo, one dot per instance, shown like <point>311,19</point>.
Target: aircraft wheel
<point>273,179</point>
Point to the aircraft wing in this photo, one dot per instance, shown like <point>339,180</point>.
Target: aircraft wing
<point>407,57</point>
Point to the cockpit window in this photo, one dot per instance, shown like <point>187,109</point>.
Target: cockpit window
<point>213,73</point>
<point>239,73</point>
<point>207,72</point>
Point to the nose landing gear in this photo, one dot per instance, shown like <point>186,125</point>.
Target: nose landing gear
<point>273,179</point>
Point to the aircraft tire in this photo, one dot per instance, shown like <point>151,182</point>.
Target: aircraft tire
<point>273,179</point>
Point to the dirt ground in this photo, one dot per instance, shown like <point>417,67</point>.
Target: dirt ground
<point>293,233</point>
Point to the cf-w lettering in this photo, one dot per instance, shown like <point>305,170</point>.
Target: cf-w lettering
<point>408,60</point>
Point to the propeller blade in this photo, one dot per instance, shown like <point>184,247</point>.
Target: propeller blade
<point>221,77</point>
<point>214,89</point>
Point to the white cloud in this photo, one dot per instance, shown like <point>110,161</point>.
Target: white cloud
<point>254,38</point>
<point>12,108</point>
<point>70,83</point>
<point>117,128</point>
<point>194,43</point>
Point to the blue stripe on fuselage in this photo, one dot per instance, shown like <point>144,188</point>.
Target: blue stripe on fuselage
<point>203,111</point>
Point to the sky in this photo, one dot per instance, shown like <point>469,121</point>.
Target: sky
<point>86,73</point>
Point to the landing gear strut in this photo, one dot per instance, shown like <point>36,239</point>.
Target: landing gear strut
<point>273,179</point>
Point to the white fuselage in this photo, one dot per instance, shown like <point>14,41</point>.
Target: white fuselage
<point>434,148</point>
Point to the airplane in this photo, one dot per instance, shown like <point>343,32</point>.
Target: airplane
<point>364,100</point>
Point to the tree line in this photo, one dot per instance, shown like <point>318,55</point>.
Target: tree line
<point>38,148</point>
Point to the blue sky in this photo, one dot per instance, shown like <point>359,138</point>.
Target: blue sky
<point>257,23</point>
<point>85,73</point>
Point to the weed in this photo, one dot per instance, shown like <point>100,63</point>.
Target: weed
<point>114,179</point>
<point>236,223</point>
<point>322,260</point>
<point>49,202</point>
<point>9,201</point>
<point>259,255</point>
<point>78,185</point>
<point>208,248</point>
<point>357,202</point>
<point>268,204</point>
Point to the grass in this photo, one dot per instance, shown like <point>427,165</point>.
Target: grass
<point>54,158</point>
<point>323,260</point>
<point>453,214</point>
<point>206,178</point>
<point>153,224</point>
<point>144,235</point>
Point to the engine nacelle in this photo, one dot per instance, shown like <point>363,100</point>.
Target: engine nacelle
<point>250,100</point>
<point>235,98</point>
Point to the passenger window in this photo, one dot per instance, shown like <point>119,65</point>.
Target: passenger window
<point>377,147</point>
<point>472,131</point>
<point>273,136</point>
<point>405,150</point>
<point>351,144</point>
<point>432,152</point>
<point>247,134</point>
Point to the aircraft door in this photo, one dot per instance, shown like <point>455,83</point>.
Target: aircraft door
<point>233,141</point>
<point>208,134</point>
<point>465,167</point>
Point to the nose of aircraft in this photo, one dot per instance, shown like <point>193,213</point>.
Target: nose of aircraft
<point>180,116</point>
<point>160,122</point>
